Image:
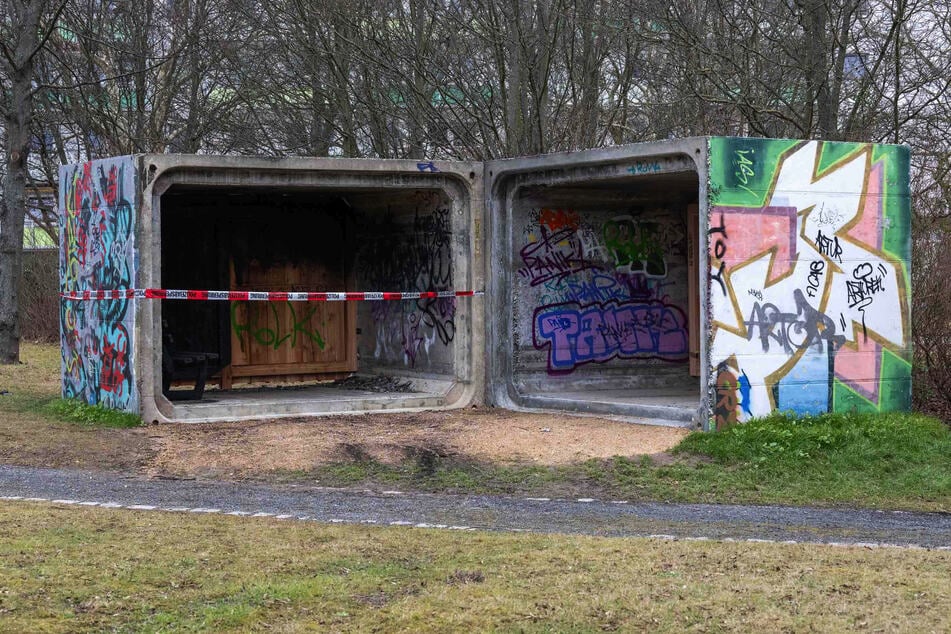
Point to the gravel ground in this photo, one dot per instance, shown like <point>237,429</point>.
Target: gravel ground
<point>583,516</point>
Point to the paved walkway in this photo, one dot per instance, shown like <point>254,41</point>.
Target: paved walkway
<point>481,512</point>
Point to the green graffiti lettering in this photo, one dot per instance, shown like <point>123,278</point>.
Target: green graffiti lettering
<point>275,337</point>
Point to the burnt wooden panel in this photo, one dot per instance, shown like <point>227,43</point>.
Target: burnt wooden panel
<point>299,249</point>
<point>269,338</point>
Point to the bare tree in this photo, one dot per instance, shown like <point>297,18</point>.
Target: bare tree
<point>24,29</point>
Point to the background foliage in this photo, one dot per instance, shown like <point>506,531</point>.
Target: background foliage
<point>486,79</point>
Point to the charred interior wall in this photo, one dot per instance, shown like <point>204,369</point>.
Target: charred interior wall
<point>245,238</point>
<point>404,242</point>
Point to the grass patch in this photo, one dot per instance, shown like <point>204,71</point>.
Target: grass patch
<point>900,461</point>
<point>874,459</point>
<point>73,569</point>
<point>883,460</point>
<point>73,411</point>
<point>33,388</point>
<point>39,428</point>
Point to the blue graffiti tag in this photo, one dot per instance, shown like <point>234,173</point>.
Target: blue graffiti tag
<point>743,382</point>
<point>576,334</point>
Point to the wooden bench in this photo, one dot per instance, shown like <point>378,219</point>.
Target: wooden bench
<point>178,365</point>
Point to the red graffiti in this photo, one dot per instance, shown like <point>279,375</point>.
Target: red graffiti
<point>110,186</point>
<point>556,219</point>
<point>115,372</point>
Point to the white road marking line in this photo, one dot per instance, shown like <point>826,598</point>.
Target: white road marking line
<point>186,509</point>
<point>585,500</point>
<point>538,499</point>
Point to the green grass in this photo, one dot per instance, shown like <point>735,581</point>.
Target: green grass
<point>898,460</point>
<point>73,411</point>
<point>70,569</point>
<point>68,411</point>
<point>881,460</point>
<point>33,387</point>
<point>877,459</point>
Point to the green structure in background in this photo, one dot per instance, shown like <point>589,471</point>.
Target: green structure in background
<point>36,238</point>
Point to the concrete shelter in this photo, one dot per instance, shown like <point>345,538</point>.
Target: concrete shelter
<point>689,282</point>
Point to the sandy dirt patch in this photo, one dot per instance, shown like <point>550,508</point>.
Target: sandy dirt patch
<point>496,435</point>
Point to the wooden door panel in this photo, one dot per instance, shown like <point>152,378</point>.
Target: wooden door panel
<point>291,338</point>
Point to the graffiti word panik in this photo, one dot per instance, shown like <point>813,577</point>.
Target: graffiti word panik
<point>578,334</point>
<point>556,256</point>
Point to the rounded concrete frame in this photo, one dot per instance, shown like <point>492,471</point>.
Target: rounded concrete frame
<point>504,178</point>
<point>460,181</point>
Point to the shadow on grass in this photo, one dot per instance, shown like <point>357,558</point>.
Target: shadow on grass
<point>879,461</point>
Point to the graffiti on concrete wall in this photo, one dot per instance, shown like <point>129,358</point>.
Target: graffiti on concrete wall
<point>809,254</point>
<point>97,203</point>
<point>411,256</point>
<point>596,287</point>
<point>599,332</point>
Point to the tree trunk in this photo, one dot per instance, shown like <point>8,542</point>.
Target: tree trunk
<point>13,201</point>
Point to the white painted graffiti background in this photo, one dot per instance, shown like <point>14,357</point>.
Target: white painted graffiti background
<point>802,294</point>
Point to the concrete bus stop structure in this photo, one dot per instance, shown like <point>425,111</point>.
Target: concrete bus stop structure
<point>697,281</point>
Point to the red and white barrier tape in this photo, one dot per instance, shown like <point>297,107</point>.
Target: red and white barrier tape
<point>262,296</point>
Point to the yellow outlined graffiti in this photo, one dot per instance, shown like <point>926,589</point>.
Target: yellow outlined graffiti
<point>855,289</point>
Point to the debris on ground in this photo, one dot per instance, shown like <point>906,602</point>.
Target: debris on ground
<point>376,383</point>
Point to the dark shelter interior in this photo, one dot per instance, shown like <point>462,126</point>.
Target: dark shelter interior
<point>307,240</point>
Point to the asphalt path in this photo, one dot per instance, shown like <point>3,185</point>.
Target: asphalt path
<point>481,512</point>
